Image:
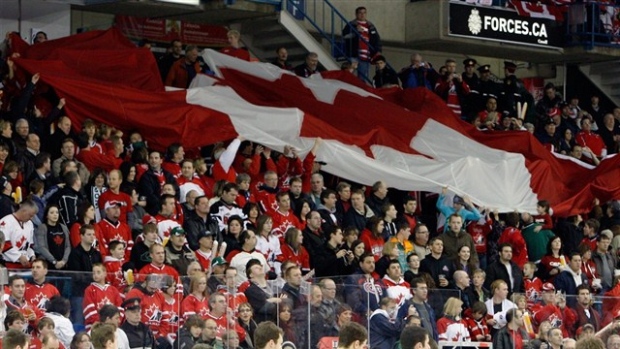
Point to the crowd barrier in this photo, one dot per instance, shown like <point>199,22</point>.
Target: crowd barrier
<point>312,319</point>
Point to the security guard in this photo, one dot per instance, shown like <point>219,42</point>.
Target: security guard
<point>140,335</point>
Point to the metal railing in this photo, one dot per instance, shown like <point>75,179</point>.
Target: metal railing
<point>329,23</point>
<point>593,24</point>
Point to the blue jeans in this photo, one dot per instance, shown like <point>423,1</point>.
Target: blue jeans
<point>483,261</point>
<point>77,314</point>
<point>363,71</point>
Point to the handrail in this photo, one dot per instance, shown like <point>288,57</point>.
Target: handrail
<point>594,30</point>
<point>329,31</point>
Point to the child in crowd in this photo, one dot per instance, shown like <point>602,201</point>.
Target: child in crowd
<point>531,283</point>
<point>98,294</point>
<point>476,322</point>
<point>544,216</point>
<point>114,266</point>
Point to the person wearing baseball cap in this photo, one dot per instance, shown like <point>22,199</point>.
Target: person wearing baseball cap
<point>205,248</point>
<point>461,206</point>
<point>178,254</point>
<point>218,271</point>
<point>553,309</point>
<point>112,228</point>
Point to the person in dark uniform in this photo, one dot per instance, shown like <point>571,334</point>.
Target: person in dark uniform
<point>469,103</point>
<point>139,334</point>
<point>469,75</point>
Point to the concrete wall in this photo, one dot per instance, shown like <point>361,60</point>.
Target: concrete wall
<point>388,15</point>
<point>85,20</point>
<point>38,15</point>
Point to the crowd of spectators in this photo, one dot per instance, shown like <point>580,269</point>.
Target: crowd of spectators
<point>183,248</point>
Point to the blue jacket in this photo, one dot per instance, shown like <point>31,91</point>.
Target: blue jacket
<point>383,332</point>
<point>468,215</point>
<point>361,296</point>
<point>564,282</point>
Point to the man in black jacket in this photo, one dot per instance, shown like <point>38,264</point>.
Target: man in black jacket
<point>82,258</point>
<point>69,198</point>
<point>499,270</point>
<point>153,180</point>
<point>331,259</point>
<point>200,222</point>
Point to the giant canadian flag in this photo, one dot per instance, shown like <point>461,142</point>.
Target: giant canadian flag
<point>408,138</point>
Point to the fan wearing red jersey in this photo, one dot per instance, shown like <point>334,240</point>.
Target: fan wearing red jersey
<point>531,284</point>
<point>38,292</point>
<point>112,229</point>
<point>97,295</point>
<point>114,266</point>
<point>167,217</point>
<point>174,156</point>
<point>231,292</point>
<point>223,316</point>
<point>150,301</point>
<point>512,235</point>
<point>266,194</point>
<point>157,266</point>
<point>373,238</point>
<point>189,181</point>
<point>197,301</point>
<point>171,309</point>
<point>16,301</point>
<point>114,193</point>
<point>283,217</point>
<point>292,249</point>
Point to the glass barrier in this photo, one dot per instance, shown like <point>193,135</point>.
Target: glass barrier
<point>310,311</point>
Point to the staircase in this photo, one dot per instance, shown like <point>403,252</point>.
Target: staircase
<point>263,36</point>
<point>315,27</point>
<point>606,76</point>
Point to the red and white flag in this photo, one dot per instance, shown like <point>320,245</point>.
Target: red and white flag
<point>538,10</point>
<point>409,138</point>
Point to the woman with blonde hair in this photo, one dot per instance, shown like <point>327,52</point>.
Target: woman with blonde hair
<point>197,301</point>
<point>390,251</point>
<point>451,326</point>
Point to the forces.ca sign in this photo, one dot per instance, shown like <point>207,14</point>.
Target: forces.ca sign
<point>503,25</point>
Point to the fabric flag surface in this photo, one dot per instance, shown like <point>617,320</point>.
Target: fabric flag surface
<point>409,138</point>
<point>538,10</point>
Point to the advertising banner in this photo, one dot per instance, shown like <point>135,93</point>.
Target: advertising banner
<point>166,30</point>
<point>503,25</point>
